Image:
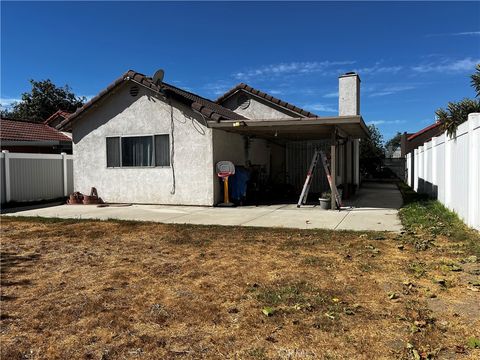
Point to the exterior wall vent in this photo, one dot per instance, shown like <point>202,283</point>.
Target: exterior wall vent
<point>243,101</point>
<point>134,90</point>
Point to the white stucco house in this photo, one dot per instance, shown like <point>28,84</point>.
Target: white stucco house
<point>146,141</point>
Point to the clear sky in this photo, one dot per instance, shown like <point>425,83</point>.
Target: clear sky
<point>412,57</point>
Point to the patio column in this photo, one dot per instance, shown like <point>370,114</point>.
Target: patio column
<point>333,167</point>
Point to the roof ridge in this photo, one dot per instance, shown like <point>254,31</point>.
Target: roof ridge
<point>425,129</point>
<point>208,107</point>
<point>266,96</point>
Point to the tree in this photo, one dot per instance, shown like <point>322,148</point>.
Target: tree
<point>372,152</point>
<point>476,79</point>
<point>456,113</point>
<point>394,142</point>
<point>43,100</point>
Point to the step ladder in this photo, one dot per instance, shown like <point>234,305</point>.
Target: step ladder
<point>308,180</point>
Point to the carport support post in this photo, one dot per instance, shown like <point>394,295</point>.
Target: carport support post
<point>333,168</point>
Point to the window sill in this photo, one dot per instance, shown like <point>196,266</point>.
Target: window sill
<point>138,167</point>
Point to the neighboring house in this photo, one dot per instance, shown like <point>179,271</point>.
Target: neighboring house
<point>145,141</point>
<point>32,137</point>
<point>393,152</point>
<point>56,118</point>
<point>410,142</point>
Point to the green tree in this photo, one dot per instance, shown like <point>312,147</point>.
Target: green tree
<point>456,113</point>
<point>372,152</point>
<point>476,79</point>
<point>394,142</point>
<point>44,99</point>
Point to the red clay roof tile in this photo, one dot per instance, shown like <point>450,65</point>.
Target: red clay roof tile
<point>207,107</point>
<point>424,130</point>
<point>261,94</point>
<point>20,130</point>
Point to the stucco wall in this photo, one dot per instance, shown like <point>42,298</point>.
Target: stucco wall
<point>122,114</point>
<point>257,109</point>
<point>349,95</point>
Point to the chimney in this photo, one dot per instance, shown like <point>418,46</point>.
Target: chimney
<point>348,94</point>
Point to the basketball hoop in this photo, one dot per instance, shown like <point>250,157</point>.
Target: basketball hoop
<point>224,170</point>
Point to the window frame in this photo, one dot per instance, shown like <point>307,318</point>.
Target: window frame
<point>120,137</point>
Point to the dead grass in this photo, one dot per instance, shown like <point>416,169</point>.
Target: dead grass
<point>126,290</point>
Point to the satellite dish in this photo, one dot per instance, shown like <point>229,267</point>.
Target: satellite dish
<point>158,76</point>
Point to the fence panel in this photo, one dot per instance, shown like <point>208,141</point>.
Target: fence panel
<point>299,155</point>
<point>439,162</point>
<point>33,177</point>
<point>2,178</point>
<point>69,175</point>
<point>448,169</point>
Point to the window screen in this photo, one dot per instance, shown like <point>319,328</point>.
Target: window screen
<point>162,150</point>
<point>137,151</point>
<point>113,152</point>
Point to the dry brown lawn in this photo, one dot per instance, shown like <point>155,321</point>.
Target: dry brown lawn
<point>125,290</point>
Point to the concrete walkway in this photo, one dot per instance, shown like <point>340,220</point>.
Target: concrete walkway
<point>375,208</point>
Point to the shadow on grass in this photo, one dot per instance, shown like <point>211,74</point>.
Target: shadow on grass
<point>8,260</point>
<point>422,214</point>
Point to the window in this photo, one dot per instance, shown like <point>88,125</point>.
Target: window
<point>133,151</point>
<point>162,150</point>
<point>137,151</point>
<point>113,152</point>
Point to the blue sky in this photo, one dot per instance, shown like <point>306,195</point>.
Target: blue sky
<point>412,57</point>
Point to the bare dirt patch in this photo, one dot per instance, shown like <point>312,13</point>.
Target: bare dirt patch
<point>126,290</point>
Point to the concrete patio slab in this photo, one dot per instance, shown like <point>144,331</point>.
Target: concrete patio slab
<point>374,208</point>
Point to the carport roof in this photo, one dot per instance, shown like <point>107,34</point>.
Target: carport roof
<point>297,128</point>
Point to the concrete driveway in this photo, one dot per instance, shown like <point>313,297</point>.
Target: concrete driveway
<point>374,208</point>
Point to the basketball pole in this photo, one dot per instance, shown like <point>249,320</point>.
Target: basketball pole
<point>226,200</point>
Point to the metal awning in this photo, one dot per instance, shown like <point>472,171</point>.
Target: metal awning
<point>296,128</point>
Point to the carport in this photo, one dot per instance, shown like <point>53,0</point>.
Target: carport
<point>343,132</point>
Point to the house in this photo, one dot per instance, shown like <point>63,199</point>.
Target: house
<point>56,118</point>
<point>32,137</point>
<point>142,140</point>
<point>410,142</point>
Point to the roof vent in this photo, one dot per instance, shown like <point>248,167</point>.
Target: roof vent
<point>158,77</point>
<point>243,101</point>
<point>134,90</point>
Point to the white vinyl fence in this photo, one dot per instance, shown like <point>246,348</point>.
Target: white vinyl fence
<point>448,169</point>
<point>32,177</point>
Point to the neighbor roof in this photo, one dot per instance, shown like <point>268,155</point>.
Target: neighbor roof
<point>424,130</point>
<point>265,96</point>
<point>55,115</point>
<point>22,130</point>
<point>206,107</point>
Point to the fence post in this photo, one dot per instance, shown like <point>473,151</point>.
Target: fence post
<point>434,167</point>
<point>448,171</point>
<point>6,163</point>
<point>65,173</point>
<point>473,214</point>
<point>415,167</point>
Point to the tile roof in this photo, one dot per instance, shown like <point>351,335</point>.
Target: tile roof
<point>22,130</point>
<point>206,107</point>
<point>55,115</point>
<point>424,130</point>
<point>265,96</point>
